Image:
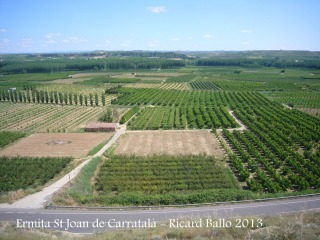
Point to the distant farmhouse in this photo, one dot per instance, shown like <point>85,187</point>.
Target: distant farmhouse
<point>101,127</point>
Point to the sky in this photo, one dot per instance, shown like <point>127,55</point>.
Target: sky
<point>33,26</point>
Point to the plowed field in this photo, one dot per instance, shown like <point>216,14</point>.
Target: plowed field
<point>169,142</point>
<point>56,144</point>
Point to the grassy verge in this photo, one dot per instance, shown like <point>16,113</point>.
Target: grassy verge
<point>231,177</point>
<point>97,148</point>
<point>81,189</point>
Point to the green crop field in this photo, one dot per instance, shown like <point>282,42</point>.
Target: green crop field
<point>296,99</point>
<point>45,118</point>
<point>182,78</point>
<point>204,86</point>
<point>129,114</point>
<point>9,137</point>
<point>24,172</point>
<point>182,118</point>
<point>152,176</point>
<point>20,80</point>
<point>162,174</point>
<point>165,86</point>
<point>263,106</point>
<point>273,156</point>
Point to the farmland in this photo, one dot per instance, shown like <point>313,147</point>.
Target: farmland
<point>187,108</point>
<point>176,98</point>
<point>171,176</point>
<point>9,137</point>
<point>296,99</point>
<point>25,172</point>
<point>204,86</point>
<point>174,174</point>
<point>129,114</point>
<point>56,144</point>
<point>63,96</point>
<point>45,118</point>
<point>147,143</point>
<point>181,118</point>
<point>177,86</point>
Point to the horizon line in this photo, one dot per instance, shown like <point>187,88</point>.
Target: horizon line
<point>140,50</point>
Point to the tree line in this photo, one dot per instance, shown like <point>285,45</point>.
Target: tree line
<point>149,54</point>
<point>55,97</point>
<point>257,63</point>
<point>60,65</point>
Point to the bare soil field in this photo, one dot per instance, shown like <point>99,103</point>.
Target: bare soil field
<point>80,75</point>
<point>177,86</point>
<point>56,144</point>
<point>161,74</point>
<point>169,142</point>
<point>69,80</point>
<point>312,111</point>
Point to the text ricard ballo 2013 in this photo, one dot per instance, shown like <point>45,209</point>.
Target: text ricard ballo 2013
<point>68,224</point>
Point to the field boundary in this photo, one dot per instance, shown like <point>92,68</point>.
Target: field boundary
<point>242,126</point>
<point>170,130</point>
<point>50,206</point>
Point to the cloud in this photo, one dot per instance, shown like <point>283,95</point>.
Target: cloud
<point>51,41</point>
<point>4,42</point>
<point>26,43</point>
<point>106,43</point>
<point>125,43</point>
<point>246,31</point>
<point>175,39</point>
<point>153,43</point>
<point>159,9</point>
<point>208,36</point>
<point>78,40</point>
<point>74,40</point>
<point>51,38</point>
<point>3,30</point>
<point>52,35</point>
